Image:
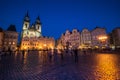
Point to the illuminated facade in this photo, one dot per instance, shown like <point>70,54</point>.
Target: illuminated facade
<point>96,38</point>
<point>10,39</point>
<point>99,38</point>
<point>31,31</point>
<point>69,39</point>
<point>31,37</point>
<point>37,43</point>
<point>75,39</point>
<point>85,39</point>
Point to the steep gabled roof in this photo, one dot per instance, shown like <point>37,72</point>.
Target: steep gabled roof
<point>1,30</point>
<point>11,28</point>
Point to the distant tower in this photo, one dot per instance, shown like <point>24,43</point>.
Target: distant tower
<point>38,26</point>
<point>26,25</point>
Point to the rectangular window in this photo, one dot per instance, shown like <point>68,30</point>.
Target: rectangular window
<point>9,42</point>
<point>13,42</point>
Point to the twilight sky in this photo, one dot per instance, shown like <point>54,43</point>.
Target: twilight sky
<point>59,15</point>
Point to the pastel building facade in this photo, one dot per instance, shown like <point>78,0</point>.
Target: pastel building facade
<point>86,41</point>
<point>69,39</point>
<point>37,43</point>
<point>99,38</point>
<point>75,39</point>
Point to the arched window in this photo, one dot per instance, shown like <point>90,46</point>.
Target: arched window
<point>26,25</point>
<point>38,27</point>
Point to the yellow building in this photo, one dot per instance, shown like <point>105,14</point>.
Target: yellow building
<point>37,43</point>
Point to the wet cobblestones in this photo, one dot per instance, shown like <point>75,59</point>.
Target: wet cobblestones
<point>36,66</point>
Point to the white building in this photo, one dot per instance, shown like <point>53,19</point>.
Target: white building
<point>85,39</point>
<point>31,31</point>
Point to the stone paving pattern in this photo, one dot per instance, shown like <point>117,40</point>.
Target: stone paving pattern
<point>37,66</point>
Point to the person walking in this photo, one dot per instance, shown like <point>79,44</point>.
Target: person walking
<point>61,55</point>
<point>50,55</point>
<point>76,55</point>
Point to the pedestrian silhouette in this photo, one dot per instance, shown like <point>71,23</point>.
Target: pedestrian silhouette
<point>50,55</point>
<point>23,53</point>
<point>61,56</point>
<point>76,55</point>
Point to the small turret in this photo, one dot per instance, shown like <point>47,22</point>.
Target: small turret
<point>38,20</point>
<point>26,23</point>
<point>26,18</point>
<point>38,24</point>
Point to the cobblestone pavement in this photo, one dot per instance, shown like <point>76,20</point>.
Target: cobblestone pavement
<point>37,66</point>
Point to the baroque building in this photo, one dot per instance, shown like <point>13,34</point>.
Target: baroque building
<point>31,36</point>
<point>31,31</point>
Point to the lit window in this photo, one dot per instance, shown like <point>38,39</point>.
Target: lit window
<point>13,42</point>
<point>5,42</point>
<point>9,42</point>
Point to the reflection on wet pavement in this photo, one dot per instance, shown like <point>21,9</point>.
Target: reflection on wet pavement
<point>36,65</point>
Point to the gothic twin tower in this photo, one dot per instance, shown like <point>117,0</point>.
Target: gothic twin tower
<point>31,31</point>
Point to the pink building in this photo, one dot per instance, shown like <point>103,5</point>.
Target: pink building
<point>99,38</point>
<point>85,38</point>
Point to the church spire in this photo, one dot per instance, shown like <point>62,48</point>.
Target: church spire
<point>26,18</point>
<point>38,20</point>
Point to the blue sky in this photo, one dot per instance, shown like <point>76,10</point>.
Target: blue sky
<point>59,15</point>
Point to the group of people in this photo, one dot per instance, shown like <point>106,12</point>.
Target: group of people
<point>63,53</point>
